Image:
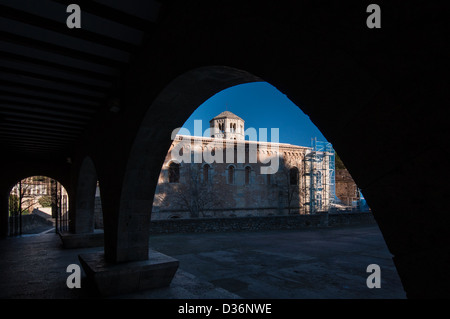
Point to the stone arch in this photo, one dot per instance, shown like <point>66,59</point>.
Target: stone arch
<point>19,170</point>
<point>180,98</point>
<point>176,102</point>
<point>32,192</point>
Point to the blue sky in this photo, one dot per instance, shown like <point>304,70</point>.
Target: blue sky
<point>260,105</point>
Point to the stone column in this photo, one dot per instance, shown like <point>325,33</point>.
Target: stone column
<point>82,232</point>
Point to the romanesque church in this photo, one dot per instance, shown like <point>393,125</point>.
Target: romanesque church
<point>237,186</point>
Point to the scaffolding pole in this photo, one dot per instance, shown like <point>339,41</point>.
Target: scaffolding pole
<point>320,187</point>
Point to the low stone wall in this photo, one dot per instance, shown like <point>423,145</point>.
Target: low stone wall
<point>357,218</point>
<point>203,225</point>
<point>33,223</point>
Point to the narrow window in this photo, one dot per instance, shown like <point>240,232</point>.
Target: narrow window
<point>230,175</point>
<point>247,175</point>
<point>206,173</point>
<point>293,176</point>
<point>174,173</point>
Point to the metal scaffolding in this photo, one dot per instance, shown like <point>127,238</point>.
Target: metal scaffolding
<point>319,174</point>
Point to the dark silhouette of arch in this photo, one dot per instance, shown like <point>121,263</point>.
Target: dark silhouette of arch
<point>144,164</point>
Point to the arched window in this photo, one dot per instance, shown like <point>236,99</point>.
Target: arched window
<point>248,170</point>
<point>174,173</point>
<point>206,173</point>
<point>293,176</point>
<point>230,174</point>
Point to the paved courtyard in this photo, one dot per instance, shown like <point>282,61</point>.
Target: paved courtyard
<point>304,264</point>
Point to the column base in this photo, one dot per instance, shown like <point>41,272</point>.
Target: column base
<point>114,279</point>
<point>71,240</point>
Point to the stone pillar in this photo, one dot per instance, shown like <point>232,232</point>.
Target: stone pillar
<point>82,232</point>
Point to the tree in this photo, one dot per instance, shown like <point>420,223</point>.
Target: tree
<point>13,204</point>
<point>45,201</point>
<point>196,194</point>
<point>20,202</point>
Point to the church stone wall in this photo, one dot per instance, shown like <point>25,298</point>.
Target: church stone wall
<point>248,193</point>
<point>346,189</point>
<point>288,222</point>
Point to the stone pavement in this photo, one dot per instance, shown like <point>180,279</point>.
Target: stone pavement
<point>325,263</point>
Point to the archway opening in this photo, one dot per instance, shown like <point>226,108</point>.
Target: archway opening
<point>305,181</point>
<point>38,204</point>
<point>143,170</point>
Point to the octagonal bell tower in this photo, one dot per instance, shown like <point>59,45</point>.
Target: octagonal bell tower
<point>227,125</point>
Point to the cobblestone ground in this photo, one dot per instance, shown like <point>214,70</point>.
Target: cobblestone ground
<point>316,263</point>
<point>319,263</point>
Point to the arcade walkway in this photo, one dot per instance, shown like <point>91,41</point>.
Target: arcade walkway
<point>321,263</point>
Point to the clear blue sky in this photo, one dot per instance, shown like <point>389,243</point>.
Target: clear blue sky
<point>260,105</point>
